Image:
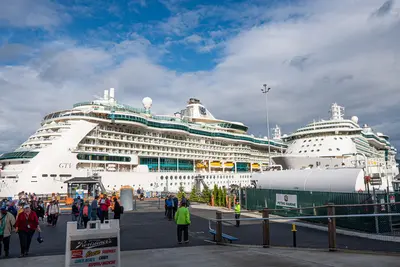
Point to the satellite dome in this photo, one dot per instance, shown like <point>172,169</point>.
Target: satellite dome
<point>354,119</point>
<point>147,102</point>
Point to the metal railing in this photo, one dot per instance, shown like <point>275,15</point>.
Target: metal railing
<point>306,221</point>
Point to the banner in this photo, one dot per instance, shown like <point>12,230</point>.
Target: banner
<point>94,252</point>
<point>288,201</point>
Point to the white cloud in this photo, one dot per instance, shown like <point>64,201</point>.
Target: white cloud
<point>27,13</point>
<point>336,52</point>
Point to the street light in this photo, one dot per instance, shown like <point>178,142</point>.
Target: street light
<point>265,91</point>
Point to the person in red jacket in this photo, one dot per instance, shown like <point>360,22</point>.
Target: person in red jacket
<point>104,206</point>
<point>26,225</point>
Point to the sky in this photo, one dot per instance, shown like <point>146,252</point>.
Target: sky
<point>311,53</point>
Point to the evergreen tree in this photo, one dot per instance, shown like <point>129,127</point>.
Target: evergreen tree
<point>206,198</point>
<point>215,194</point>
<point>224,197</point>
<point>220,197</point>
<point>181,192</point>
<point>193,195</point>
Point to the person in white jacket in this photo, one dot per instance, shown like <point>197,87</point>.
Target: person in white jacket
<point>54,211</point>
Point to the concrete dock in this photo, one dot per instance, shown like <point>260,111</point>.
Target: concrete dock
<point>218,256</point>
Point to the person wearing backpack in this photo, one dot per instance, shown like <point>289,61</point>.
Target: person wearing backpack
<point>75,212</point>
<point>118,209</point>
<point>85,213</point>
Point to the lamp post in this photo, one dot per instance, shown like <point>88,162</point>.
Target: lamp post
<point>265,91</point>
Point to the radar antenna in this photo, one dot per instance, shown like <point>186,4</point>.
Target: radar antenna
<point>337,112</point>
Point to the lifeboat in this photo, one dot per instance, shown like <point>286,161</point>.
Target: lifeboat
<point>200,165</point>
<point>215,164</point>
<point>229,165</point>
<point>255,166</point>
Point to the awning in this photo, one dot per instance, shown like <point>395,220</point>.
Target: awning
<point>83,180</point>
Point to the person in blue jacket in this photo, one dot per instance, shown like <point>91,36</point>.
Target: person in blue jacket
<point>170,206</point>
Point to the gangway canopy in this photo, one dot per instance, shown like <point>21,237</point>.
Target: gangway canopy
<point>89,186</point>
<point>82,180</point>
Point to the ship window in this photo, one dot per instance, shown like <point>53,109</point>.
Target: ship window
<point>335,138</point>
<point>65,175</point>
<point>45,175</point>
<point>309,140</point>
<point>316,139</point>
<point>330,149</point>
<point>340,138</point>
<point>320,144</point>
<point>180,177</point>
<point>305,141</point>
<point>308,145</point>
<point>305,151</point>
<point>315,144</point>
<point>162,177</point>
<point>300,151</point>
<point>317,150</point>
<point>151,184</point>
<point>312,150</point>
<point>176,177</point>
<point>338,149</point>
<point>53,175</point>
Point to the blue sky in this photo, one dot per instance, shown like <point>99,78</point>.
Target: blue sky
<point>311,52</point>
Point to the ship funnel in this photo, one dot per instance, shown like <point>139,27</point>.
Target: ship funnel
<point>112,95</point>
<point>105,95</point>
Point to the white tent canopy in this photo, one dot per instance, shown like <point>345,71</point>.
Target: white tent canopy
<point>330,180</point>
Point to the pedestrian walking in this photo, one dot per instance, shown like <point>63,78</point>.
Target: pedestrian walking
<point>170,206</point>
<point>118,209</point>
<point>182,219</point>
<point>75,212</point>
<point>104,206</point>
<point>7,221</point>
<point>176,204</point>
<point>54,212</point>
<point>237,213</point>
<point>95,207</point>
<point>85,213</point>
<point>26,225</point>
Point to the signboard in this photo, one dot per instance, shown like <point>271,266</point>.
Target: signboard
<point>284,200</point>
<point>93,247</point>
<point>392,199</point>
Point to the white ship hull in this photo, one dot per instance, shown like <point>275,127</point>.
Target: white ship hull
<point>113,181</point>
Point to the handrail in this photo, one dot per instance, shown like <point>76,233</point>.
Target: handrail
<point>306,217</point>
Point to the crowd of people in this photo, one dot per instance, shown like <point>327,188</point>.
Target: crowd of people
<point>83,211</point>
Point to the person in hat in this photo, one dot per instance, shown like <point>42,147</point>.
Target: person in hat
<point>7,221</point>
<point>26,225</point>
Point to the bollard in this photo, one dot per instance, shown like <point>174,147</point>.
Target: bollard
<point>331,228</point>
<point>266,237</point>
<point>294,235</point>
<point>218,235</point>
<point>159,202</point>
<point>134,204</point>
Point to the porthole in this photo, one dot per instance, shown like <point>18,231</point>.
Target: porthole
<point>151,184</point>
<point>162,178</point>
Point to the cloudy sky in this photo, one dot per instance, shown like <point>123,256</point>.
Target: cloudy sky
<point>311,53</point>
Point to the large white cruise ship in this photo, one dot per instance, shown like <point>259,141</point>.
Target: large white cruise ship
<point>127,146</point>
<point>335,154</point>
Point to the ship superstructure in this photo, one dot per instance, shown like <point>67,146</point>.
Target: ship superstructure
<point>341,143</point>
<point>131,146</point>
